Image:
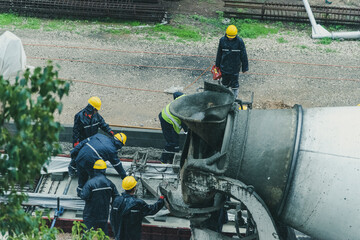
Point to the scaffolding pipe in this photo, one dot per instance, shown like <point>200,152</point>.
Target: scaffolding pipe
<point>319,31</point>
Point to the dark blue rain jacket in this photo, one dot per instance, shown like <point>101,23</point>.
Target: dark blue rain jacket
<point>98,192</point>
<point>87,124</point>
<point>127,213</point>
<point>99,146</point>
<point>231,56</point>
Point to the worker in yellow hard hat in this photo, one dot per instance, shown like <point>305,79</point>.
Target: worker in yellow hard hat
<point>86,124</point>
<point>231,58</point>
<point>98,192</point>
<point>127,211</point>
<point>91,149</point>
<point>88,121</point>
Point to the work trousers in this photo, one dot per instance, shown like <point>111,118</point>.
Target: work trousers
<point>172,141</point>
<point>83,174</point>
<point>231,81</point>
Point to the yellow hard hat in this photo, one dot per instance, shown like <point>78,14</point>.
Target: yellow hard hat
<point>358,105</point>
<point>122,137</point>
<point>231,31</point>
<point>128,183</point>
<point>95,102</point>
<point>244,107</point>
<point>100,164</point>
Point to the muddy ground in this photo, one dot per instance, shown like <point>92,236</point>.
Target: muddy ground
<point>132,74</point>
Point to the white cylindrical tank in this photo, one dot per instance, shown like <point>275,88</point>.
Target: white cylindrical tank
<point>324,198</point>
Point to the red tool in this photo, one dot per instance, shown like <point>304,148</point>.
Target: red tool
<point>216,72</point>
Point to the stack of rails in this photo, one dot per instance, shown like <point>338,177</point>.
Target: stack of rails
<point>291,12</point>
<point>144,10</point>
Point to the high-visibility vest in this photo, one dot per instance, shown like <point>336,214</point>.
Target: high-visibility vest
<point>168,117</point>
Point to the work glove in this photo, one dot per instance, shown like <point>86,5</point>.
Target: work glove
<point>72,171</point>
<point>72,168</point>
<point>75,144</point>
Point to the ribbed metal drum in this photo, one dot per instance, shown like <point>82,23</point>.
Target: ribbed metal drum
<point>304,164</point>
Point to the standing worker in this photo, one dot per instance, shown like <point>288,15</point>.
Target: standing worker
<point>98,192</point>
<point>96,147</point>
<point>88,121</point>
<point>86,124</point>
<point>170,126</point>
<point>231,57</point>
<point>127,212</point>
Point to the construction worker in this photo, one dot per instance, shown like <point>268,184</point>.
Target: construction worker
<point>86,124</point>
<point>127,212</point>
<point>231,58</point>
<point>98,192</point>
<point>171,127</point>
<point>96,147</point>
<point>88,121</point>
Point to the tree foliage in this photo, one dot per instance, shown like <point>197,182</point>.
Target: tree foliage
<point>30,103</point>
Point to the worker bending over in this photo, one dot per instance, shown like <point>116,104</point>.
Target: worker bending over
<point>96,147</point>
<point>171,126</point>
<point>127,212</point>
<point>88,121</point>
<point>98,192</point>
<point>231,57</point>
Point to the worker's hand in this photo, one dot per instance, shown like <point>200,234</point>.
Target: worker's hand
<point>112,133</point>
<point>75,144</point>
<point>162,197</point>
<point>72,170</point>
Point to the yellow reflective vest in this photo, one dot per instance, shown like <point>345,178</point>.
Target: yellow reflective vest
<point>168,117</point>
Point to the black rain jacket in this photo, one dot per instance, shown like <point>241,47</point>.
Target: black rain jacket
<point>87,124</point>
<point>231,56</point>
<point>98,192</point>
<point>99,146</point>
<point>127,213</point>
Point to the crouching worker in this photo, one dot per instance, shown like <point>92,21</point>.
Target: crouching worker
<point>127,212</point>
<point>98,192</point>
<point>99,146</point>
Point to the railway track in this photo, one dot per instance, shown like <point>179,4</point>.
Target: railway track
<point>145,10</point>
<point>291,12</point>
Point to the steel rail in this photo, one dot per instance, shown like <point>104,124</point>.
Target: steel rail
<point>292,12</point>
<point>136,10</point>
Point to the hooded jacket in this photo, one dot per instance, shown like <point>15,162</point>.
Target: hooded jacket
<point>98,192</point>
<point>87,124</point>
<point>127,213</point>
<point>231,56</point>
<point>98,147</point>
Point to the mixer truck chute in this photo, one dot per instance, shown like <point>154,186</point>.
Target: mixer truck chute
<point>289,167</point>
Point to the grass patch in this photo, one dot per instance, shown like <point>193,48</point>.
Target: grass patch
<point>324,41</point>
<point>30,23</point>
<point>9,19</point>
<point>254,29</point>
<point>182,31</point>
<point>330,50</point>
<point>302,46</point>
<point>117,31</point>
<point>58,24</point>
<point>282,40</point>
